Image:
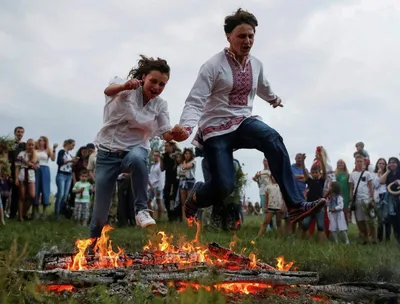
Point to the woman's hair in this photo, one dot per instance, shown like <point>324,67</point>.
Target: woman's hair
<point>146,65</point>
<point>33,155</point>
<point>345,170</point>
<point>79,152</point>
<point>238,18</point>
<point>190,151</point>
<point>46,145</point>
<point>68,142</point>
<point>335,188</point>
<point>396,160</point>
<point>376,165</point>
<point>324,156</point>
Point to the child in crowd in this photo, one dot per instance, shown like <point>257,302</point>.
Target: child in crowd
<point>360,150</point>
<point>337,220</point>
<point>82,190</point>
<point>273,205</point>
<point>315,184</point>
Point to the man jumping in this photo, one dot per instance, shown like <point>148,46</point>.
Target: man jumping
<point>221,104</point>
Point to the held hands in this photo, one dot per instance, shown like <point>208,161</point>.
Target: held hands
<point>179,133</point>
<point>167,136</point>
<point>132,84</point>
<point>277,103</point>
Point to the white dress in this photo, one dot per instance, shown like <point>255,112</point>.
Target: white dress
<point>337,221</point>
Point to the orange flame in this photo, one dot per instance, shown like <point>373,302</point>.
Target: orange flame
<point>282,265</point>
<point>59,288</point>
<point>236,287</point>
<point>108,258</point>
<point>187,253</point>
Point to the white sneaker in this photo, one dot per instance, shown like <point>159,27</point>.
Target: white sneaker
<point>143,219</point>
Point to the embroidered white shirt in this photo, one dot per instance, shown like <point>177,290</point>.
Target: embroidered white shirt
<point>128,123</point>
<point>223,94</point>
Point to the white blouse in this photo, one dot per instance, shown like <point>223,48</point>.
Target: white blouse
<point>128,123</point>
<point>223,94</point>
<point>43,158</point>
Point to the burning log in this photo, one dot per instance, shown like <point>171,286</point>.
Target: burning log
<point>169,272</point>
<point>230,256</point>
<point>359,292</point>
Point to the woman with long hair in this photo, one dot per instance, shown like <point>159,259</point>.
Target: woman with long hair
<point>380,192</point>
<point>391,178</point>
<point>26,165</point>
<point>342,177</point>
<point>134,112</point>
<point>44,155</point>
<point>64,175</point>
<point>186,173</point>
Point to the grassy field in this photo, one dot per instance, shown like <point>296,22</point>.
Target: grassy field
<point>335,263</point>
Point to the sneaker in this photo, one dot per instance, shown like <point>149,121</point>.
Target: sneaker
<point>190,204</point>
<point>143,219</point>
<point>306,209</point>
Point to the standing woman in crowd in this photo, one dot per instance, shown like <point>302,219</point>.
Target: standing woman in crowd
<point>342,177</point>
<point>44,155</point>
<point>380,191</point>
<point>389,179</point>
<point>187,174</point>
<point>133,113</point>
<point>64,175</point>
<point>26,165</point>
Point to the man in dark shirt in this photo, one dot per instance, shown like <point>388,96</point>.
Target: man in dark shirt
<point>12,156</point>
<point>168,164</point>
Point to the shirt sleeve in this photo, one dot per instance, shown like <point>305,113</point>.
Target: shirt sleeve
<point>91,162</point>
<point>76,186</point>
<point>351,179</point>
<point>369,176</point>
<point>340,205</point>
<point>195,102</point>
<point>163,122</point>
<point>19,159</point>
<point>264,90</point>
<point>115,80</point>
<point>60,157</point>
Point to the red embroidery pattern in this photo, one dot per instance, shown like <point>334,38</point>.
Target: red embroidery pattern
<point>242,82</point>
<point>225,126</point>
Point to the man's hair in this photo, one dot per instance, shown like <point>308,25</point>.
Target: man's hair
<point>156,151</point>
<point>148,64</point>
<point>360,156</point>
<point>316,168</point>
<point>17,128</point>
<point>238,18</point>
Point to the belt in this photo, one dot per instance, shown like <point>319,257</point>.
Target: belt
<point>118,153</point>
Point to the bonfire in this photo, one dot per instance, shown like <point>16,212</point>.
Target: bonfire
<point>162,265</point>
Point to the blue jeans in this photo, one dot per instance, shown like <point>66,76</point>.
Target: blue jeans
<point>63,182</point>
<point>108,166</point>
<point>252,134</point>
<point>42,177</point>
<point>320,219</point>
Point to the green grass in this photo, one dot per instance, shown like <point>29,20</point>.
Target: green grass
<point>335,263</point>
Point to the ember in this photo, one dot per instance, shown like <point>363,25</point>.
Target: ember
<point>161,264</point>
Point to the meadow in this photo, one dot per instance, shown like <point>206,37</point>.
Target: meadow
<point>334,263</point>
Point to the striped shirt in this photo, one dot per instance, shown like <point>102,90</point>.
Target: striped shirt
<point>83,197</point>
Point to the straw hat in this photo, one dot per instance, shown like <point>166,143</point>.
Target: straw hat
<point>394,188</point>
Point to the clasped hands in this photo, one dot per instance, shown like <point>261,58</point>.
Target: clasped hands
<point>178,133</point>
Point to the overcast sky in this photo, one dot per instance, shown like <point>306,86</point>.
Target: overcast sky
<point>334,63</point>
